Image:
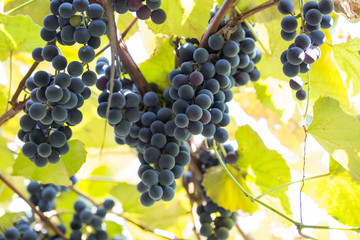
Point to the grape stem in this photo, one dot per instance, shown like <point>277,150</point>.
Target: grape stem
<point>129,64</point>
<point>33,207</point>
<point>299,225</point>
<point>247,14</point>
<point>136,75</point>
<point>290,183</point>
<point>215,22</point>
<point>120,215</point>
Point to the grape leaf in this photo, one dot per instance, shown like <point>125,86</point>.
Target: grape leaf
<point>98,189</point>
<point>36,10</point>
<point>221,189</point>
<point>288,131</point>
<point>268,167</point>
<point>347,56</point>
<point>338,133</point>
<point>12,35</point>
<point>170,216</point>
<point>158,66</point>
<point>58,173</point>
<point>184,18</point>
<point>325,78</point>
<point>113,229</point>
<point>338,194</point>
<point>9,218</point>
<point>3,98</point>
<point>7,159</point>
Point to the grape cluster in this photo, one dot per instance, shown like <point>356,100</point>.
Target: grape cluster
<point>83,216</point>
<point>202,86</point>
<point>50,111</point>
<point>144,9</point>
<point>142,124</point>
<point>78,21</point>
<point>23,230</point>
<point>55,99</point>
<point>304,51</point>
<point>216,222</point>
<point>43,195</point>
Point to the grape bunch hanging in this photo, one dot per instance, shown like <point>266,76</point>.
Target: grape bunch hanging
<point>143,124</point>
<point>87,221</point>
<point>304,51</point>
<point>216,222</point>
<point>55,99</point>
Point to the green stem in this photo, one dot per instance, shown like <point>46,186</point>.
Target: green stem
<point>290,183</point>
<point>330,228</point>
<point>20,7</point>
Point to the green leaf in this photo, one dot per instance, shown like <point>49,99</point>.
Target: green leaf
<point>347,57</point>
<point>98,189</point>
<point>162,61</point>
<point>124,21</point>
<point>18,34</point>
<point>325,78</point>
<point>9,218</point>
<point>3,98</point>
<point>223,191</point>
<point>184,18</point>
<point>171,216</point>
<point>36,10</point>
<point>58,173</point>
<point>113,229</point>
<point>338,194</point>
<point>7,158</point>
<point>338,133</point>
<point>268,167</point>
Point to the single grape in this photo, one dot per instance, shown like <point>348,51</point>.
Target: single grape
<point>301,94</point>
<point>86,53</point>
<point>288,36</point>
<point>158,16</point>
<point>285,6</point>
<point>313,17</point>
<point>303,41</point>
<point>326,6</point>
<point>95,11</point>
<point>296,83</point>
<point>216,41</point>
<point>291,70</point>
<point>289,24</point>
<point>295,55</point>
